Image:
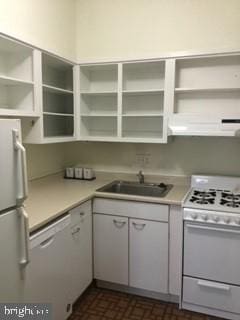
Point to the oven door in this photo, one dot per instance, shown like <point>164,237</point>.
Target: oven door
<point>212,252</point>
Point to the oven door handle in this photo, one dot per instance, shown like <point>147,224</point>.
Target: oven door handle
<point>192,226</point>
<point>218,286</point>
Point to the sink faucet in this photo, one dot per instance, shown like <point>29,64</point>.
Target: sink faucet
<point>140,176</point>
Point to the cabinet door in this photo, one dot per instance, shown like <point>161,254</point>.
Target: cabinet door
<point>175,250</point>
<point>81,266</point>
<point>111,248</point>
<point>148,255</point>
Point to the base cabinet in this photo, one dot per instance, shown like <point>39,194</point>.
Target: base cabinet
<point>110,248</point>
<point>148,255</point>
<point>128,250</point>
<point>81,249</point>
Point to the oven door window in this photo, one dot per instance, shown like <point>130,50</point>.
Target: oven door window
<point>212,252</point>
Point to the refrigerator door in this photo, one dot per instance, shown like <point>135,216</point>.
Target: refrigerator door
<point>13,256</point>
<point>13,183</point>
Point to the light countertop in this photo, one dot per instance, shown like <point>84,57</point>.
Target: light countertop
<point>52,196</point>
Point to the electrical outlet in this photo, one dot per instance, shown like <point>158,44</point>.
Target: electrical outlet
<point>142,159</point>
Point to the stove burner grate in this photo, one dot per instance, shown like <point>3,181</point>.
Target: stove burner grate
<point>202,200</point>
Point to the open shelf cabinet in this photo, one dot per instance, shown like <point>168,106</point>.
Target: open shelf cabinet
<point>95,127</point>
<point>17,79</point>
<point>208,85</point>
<point>99,79</point>
<point>57,122</point>
<point>143,128</point>
<point>143,76</point>
<point>120,101</point>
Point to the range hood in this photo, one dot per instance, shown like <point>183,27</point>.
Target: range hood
<point>204,125</point>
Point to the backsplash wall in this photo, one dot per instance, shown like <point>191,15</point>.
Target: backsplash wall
<point>181,156</point>
<point>46,159</point>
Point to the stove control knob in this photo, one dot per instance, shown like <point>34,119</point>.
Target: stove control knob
<point>216,218</point>
<point>227,220</point>
<point>205,217</point>
<point>237,221</point>
<point>194,216</point>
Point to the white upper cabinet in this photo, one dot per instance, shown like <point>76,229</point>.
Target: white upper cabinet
<point>98,102</point>
<point>123,102</point>
<point>132,101</point>
<point>207,96</point>
<point>17,79</point>
<point>57,122</point>
<point>143,76</point>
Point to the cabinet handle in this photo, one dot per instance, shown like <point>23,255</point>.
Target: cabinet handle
<point>119,223</point>
<point>82,214</point>
<point>76,230</point>
<point>139,226</point>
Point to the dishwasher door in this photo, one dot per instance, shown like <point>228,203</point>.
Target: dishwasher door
<point>48,277</point>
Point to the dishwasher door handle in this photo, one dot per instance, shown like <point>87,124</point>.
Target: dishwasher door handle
<point>46,243</point>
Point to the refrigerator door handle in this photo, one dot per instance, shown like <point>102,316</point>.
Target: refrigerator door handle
<point>24,260</point>
<point>20,148</point>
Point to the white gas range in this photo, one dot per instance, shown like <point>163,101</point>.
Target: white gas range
<point>211,254</point>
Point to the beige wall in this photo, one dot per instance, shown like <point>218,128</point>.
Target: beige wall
<point>111,29</point>
<point>121,29</point>
<point>48,24</point>
<point>182,156</point>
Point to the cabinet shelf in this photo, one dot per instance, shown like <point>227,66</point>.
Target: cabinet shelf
<point>10,81</point>
<point>56,73</point>
<point>143,115</point>
<point>142,92</point>
<point>16,60</point>
<point>56,89</point>
<point>58,125</point>
<point>142,76</point>
<point>95,126</point>
<point>99,93</point>
<point>59,114</point>
<point>97,79</point>
<point>101,114</point>
<point>149,127</point>
<point>217,89</point>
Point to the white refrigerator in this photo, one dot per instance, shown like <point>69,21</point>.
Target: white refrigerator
<point>14,233</point>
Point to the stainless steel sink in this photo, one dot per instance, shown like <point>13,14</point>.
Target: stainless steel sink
<point>135,188</point>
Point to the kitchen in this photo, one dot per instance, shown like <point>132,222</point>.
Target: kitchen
<point>113,98</point>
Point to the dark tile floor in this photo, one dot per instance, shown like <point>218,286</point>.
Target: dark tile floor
<point>102,304</point>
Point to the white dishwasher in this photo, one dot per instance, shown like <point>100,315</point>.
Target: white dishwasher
<point>49,275</point>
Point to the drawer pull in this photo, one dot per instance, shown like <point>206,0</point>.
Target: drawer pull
<point>76,230</point>
<point>139,226</point>
<point>218,286</point>
<point>119,223</point>
<point>82,214</point>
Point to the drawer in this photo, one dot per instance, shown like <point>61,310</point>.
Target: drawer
<point>79,213</point>
<point>132,209</point>
<point>211,294</point>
